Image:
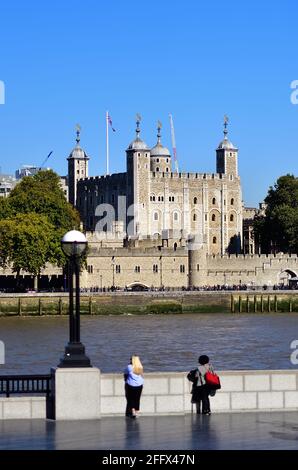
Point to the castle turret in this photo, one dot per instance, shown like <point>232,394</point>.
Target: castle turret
<point>226,154</point>
<point>138,184</point>
<point>160,157</point>
<point>77,168</point>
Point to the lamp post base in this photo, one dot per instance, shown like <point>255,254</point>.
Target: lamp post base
<point>75,356</point>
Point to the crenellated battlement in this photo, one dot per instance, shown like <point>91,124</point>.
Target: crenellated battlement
<point>120,252</point>
<point>241,257</point>
<point>105,179</point>
<point>194,176</point>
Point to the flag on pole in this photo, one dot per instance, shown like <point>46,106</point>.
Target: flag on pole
<point>111,123</point>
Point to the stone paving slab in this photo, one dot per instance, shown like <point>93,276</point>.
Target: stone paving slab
<point>276,430</point>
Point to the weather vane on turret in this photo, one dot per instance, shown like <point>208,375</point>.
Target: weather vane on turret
<point>78,129</point>
<point>138,120</point>
<point>159,126</point>
<point>226,120</point>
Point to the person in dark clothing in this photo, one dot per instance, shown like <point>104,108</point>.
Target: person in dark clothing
<point>200,391</point>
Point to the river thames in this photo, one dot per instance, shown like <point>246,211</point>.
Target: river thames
<point>164,342</point>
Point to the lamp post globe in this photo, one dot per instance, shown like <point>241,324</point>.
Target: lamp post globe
<point>74,245</point>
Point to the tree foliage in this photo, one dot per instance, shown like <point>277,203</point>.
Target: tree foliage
<point>42,194</point>
<point>26,242</point>
<point>278,230</point>
<point>33,220</point>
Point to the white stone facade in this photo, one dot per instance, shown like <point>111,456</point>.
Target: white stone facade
<point>149,198</point>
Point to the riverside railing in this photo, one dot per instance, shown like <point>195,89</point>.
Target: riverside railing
<point>29,384</point>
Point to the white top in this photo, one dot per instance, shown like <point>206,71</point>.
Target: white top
<point>74,236</point>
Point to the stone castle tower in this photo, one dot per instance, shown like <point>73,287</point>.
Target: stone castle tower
<point>137,184</point>
<point>226,155</point>
<point>77,168</point>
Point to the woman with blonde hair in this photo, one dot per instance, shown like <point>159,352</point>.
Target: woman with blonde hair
<point>134,380</point>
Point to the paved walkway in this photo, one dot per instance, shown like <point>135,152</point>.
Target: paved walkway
<point>278,430</point>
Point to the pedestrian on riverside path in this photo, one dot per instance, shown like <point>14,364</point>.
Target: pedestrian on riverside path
<point>134,380</point>
<point>200,390</point>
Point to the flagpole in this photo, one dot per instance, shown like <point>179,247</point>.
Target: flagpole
<point>107,142</point>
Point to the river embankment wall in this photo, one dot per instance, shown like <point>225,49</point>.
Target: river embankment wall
<point>119,303</point>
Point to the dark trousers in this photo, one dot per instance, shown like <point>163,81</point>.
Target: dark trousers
<point>133,395</point>
<point>201,395</point>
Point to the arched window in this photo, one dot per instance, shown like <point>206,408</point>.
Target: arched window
<point>213,218</point>
<point>175,246</point>
<point>232,201</point>
<point>214,240</point>
<point>194,217</point>
<point>167,170</point>
<point>214,201</point>
<point>231,218</point>
<point>195,200</point>
<point>175,215</point>
<point>155,216</point>
<point>155,268</point>
<point>157,160</point>
<point>157,168</point>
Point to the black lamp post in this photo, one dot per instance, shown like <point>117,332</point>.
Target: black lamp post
<point>74,245</point>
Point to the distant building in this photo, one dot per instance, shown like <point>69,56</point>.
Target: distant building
<point>28,170</point>
<point>7,183</point>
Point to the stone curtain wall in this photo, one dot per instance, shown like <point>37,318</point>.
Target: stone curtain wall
<point>169,393</point>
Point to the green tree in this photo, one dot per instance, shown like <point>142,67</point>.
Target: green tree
<point>26,242</point>
<point>5,210</point>
<point>42,194</point>
<point>33,220</point>
<point>278,230</point>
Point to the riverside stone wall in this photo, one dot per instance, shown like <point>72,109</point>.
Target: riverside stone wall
<point>168,393</point>
<point>118,303</point>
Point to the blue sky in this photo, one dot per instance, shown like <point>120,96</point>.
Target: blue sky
<point>65,62</point>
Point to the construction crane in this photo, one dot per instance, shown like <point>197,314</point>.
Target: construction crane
<point>174,143</point>
<point>46,159</point>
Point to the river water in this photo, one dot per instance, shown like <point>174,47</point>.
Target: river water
<point>164,342</point>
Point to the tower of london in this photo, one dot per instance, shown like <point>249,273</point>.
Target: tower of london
<point>150,201</point>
